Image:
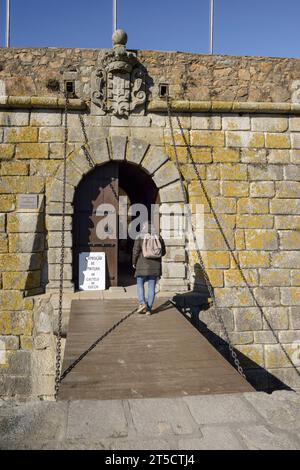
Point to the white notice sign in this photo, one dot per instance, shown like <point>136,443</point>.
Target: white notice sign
<point>92,271</point>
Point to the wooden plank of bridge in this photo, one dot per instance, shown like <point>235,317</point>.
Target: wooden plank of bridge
<point>161,355</point>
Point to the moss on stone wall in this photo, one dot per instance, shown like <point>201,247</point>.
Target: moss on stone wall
<point>250,168</point>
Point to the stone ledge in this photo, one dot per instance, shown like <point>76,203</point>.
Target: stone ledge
<point>184,106</point>
<point>40,102</point>
<point>188,106</point>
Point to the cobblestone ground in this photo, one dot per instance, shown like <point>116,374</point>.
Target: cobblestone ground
<point>239,421</point>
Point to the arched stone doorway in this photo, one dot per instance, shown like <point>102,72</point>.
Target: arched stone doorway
<point>152,161</point>
<point>120,185</point>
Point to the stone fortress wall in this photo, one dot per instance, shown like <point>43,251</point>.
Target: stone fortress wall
<point>241,116</point>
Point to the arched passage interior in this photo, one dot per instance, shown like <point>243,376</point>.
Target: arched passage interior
<point>106,184</point>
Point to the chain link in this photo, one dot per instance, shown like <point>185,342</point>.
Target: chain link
<point>62,254</point>
<point>85,147</point>
<point>267,321</point>
<point>87,153</point>
<point>189,212</point>
<point>113,191</point>
<point>93,345</point>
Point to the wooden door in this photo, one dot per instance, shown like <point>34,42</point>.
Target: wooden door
<point>100,187</point>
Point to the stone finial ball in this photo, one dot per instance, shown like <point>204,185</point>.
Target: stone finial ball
<point>119,37</point>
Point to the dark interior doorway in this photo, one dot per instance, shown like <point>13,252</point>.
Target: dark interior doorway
<point>140,188</point>
<point>109,183</point>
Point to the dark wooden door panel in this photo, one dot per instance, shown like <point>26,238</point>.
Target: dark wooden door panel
<point>98,188</point>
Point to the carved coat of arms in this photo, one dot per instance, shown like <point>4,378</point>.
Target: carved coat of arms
<point>120,82</point>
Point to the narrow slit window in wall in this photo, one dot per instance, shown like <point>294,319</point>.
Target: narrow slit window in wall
<point>70,88</point>
<point>163,90</point>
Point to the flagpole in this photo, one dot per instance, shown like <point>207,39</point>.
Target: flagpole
<point>115,15</point>
<point>211,49</point>
<point>7,23</point>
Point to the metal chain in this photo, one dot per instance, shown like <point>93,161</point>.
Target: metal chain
<point>58,378</point>
<point>201,262</point>
<point>113,191</point>
<point>233,354</point>
<point>74,364</point>
<point>87,153</point>
<point>62,254</point>
<point>84,147</point>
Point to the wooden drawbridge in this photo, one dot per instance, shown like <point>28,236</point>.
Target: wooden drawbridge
<point>161,355</point>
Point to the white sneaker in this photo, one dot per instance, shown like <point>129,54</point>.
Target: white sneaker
<point>141,308</point>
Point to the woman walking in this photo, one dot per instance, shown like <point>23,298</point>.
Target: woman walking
<point>147,253</point>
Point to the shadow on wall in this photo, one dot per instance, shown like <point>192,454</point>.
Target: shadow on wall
<point>37,277</point>
<point>192,305</point>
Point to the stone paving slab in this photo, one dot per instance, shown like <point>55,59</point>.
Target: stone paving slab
<point>92,419</point>
<point>213,409</point>
<point>36,419</point>
<point>214,438</point>
<point>264,438</point>
<point>159,417</point>
<point>283,411</point>
<point>234,421</point>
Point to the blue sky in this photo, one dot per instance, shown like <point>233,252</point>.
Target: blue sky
<point>242,27</point>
